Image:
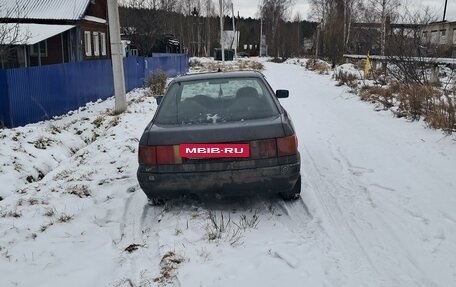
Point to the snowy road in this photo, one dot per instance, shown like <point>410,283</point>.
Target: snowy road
<point>384,188</point>
<point>377,207</point>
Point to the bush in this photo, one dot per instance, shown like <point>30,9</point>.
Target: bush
<point>278,60</point>
<point>376,94</point>
<point>195,63</point>
<point>443,115</point>
<point>318,66</point>
<point>156,83</point>
<point>417,100</point>
<point>251,65</point>
<point>347,79</point>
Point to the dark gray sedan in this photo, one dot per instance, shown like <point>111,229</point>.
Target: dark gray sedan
<point>219,134</point>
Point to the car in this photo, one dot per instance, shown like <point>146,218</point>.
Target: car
<point>243,55</point>
<point>219,134</point>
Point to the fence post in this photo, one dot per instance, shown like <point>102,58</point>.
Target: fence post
<point>435,73</point>
<point>5,108</point>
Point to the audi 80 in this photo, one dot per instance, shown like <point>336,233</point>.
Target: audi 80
<point>220,134</point>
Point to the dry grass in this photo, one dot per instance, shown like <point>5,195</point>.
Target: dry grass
<point>251,65</point>
<point>98,121</point>
<point>221,227</point>
<point>133,247</point>
<point>115,120</point>
<point>416,102</point>
<point>195,64</point>
<point>38,177</point>
<point>44,227</point>
<point>50,212</point>
<point>317,66</point>
<point>443,115</point>
<point>42,143</point>
<point>376,94</point>
<point>213,66</point>
<point>348,79</point>
<point>156,83</point>
<point>64,218</point>
<point>11,213</point>
<point>169,264</point>
<point>81,191</point>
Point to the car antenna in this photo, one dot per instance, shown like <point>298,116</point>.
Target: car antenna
<point>219,70</point>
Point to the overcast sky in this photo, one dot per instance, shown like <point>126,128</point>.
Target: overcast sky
<point>249,8</point>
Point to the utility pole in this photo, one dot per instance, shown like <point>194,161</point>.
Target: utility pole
<point>117,57</point>
<point>444,10</point>
<point>234,32</point>
<point>261,37</point>
<point>317,45</point>
<point>345,26</point>
<point>383,31</point>
<point>221,31</point>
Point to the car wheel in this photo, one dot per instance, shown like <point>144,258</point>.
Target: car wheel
<point>155,201</point>
<point>294,193</point>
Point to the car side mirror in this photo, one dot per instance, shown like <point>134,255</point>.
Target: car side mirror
<point>159,100</point>
<point>281,94</point>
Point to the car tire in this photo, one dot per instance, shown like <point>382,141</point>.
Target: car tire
<point>155,201</point>
<point>294,193</point>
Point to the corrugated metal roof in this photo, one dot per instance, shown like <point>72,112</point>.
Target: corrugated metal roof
<point>30,34</point>
<point>43,9</point>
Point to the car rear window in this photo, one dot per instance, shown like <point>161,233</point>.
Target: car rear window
<point>216,101</point>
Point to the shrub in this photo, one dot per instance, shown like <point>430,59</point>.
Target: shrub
<point>63,218</point>
<point>417,100</point>
<point>347,79</point>
<point>278,60</point>
<point>376,94</point>
<point>156,83</point>
<point>250,65</point>
<point>317,66</point>
<point>443,115</point>
<point>195,63</point>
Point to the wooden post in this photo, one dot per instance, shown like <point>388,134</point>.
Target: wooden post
<point>435,73</point>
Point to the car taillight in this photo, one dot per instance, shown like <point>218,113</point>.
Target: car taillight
<point>147,155</point>
<point>287,145</point>
<point>153,155</point>
<point>274,147</point>
<point>263,148</point>
<point>168,155</point>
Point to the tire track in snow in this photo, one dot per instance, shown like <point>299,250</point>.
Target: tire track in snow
<point>372,216</point>
<point>363,231</point>
<point>137,230</point>
<point>378,250</point>
<point>361,264</point>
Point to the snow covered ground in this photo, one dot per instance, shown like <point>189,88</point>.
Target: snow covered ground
<point>377,208</point>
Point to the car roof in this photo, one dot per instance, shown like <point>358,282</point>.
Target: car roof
<point>218,75</point>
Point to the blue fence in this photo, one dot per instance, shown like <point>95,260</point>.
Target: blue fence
<point>29,95</point>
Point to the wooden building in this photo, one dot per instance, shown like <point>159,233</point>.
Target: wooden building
<point>44,32</point>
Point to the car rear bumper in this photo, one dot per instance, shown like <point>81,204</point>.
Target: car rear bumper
<point>258,180</point>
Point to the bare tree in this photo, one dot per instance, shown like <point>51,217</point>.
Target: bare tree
<point>319,10</point>
<point>352,13</point>
<point>405,46</point>
<point>297,19</point>
<point>12,35</point>
<point>274,13</point>
<point>385,9</point>
<point>168,5</point>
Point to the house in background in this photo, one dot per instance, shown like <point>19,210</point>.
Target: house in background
<point>440,38</point>
<point>44,32</point>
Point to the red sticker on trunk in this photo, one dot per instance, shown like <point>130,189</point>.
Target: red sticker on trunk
<point>214,150</point>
